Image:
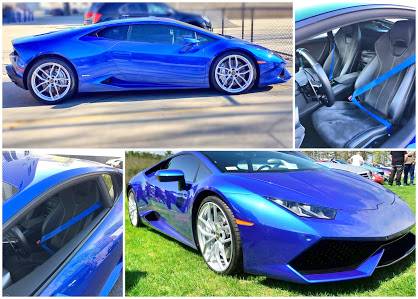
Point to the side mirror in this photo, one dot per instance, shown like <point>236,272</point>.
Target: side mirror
<point>190,41</point>
<point>172,175</point>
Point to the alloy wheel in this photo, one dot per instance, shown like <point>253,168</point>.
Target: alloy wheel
<point>234,73</point>
<point>215,237</point>
<point>51,81</point>
<point>133,213</point>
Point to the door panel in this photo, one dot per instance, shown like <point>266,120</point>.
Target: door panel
<point>159,58</point>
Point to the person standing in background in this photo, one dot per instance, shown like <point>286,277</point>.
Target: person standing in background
<point>398,160</point>
<point>356,160</point>
<point>409,169</point>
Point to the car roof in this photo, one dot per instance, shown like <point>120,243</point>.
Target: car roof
<point>32,175</point>
<point>21,169</point>
<point>315,9</point>
<point>145,20</point>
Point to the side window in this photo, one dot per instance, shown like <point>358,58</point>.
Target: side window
<point>133,8</point>
<point>188,164</point>
<point>202,173</point>
<point>154,34</point>
<point>109,185</point>
<point>158,9</point>
<point>115,32</point>
<point>162,34</point>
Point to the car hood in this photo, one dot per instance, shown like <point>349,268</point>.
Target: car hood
<point>328,188</point>
<point>65,33</point>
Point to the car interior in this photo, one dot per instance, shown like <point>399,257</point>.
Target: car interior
<point>61,220</point>
<point>331,66</point>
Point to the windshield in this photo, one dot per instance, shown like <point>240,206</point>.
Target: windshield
<point>8,191</point>
<point>257,161</point>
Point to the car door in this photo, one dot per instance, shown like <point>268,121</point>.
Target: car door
<point>158,56</point>
<point>96,265</point>
<point>173,203</point>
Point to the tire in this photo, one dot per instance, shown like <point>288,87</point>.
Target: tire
<point>65,70</point>
<point>222,60</point>
<point>135,220</point>
<point>235,263</point>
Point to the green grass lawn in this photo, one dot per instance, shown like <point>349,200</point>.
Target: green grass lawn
<point>157,265</point>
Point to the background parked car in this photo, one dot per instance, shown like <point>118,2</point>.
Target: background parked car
<point>347,167</point>
<point>101,12</point>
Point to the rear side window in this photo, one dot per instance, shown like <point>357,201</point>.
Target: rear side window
<point>163,34</point>
<point>115,33</point>
<point>109,185</point>
<point>8,191</point>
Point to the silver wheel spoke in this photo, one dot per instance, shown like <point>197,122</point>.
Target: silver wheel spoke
<point>214,236</point>
<point>57,80</point>
<point>234,73</point>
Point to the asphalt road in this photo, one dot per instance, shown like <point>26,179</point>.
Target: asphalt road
<point>169,119</point>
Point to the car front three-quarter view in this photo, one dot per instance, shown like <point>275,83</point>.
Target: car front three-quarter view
<point>273,214</point>
<point>62,226</point>
<point>140,54</point>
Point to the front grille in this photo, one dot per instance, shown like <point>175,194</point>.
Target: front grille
<point>330,255</point>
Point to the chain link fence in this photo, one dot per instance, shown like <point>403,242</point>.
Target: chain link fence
<point>267,24</point>
<point>266,27</point>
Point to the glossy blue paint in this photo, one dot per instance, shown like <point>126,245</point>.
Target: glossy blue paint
<point>365,211</point>
<point>90,271</point>
<point>141,66</point>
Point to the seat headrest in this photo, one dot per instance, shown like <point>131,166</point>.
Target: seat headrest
<point>401,35</point>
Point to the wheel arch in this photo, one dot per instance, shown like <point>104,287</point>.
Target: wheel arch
<point>48,55</point>
<point>196,203</point>
<point>244,51</point>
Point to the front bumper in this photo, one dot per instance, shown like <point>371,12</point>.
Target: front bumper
<point>274,74</point>
<point>18,80</point>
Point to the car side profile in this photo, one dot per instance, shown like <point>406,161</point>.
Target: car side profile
<point>108,11</point>
<point>139,54</point>
<point>273,214</point>
<point>62,226</point>
<point>355,75</point>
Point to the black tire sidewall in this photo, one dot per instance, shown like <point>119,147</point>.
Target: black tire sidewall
<point>64,64</point>
<point>235,265</point>
<point>219,58</point>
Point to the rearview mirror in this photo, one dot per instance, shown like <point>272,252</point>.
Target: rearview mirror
<point>172,175</point>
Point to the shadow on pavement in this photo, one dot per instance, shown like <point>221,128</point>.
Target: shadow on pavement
<point>15,97</point>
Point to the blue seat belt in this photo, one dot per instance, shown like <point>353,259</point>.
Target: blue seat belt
<point>331,67</point>
<point>66,225</point>
<point>397,69</point>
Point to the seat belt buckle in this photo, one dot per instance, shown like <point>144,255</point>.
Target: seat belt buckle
<point>350,98</point>
<point>38,242</point>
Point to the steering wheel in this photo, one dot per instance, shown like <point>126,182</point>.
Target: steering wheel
<point>268,167</point>
<point>18,241</point>
<point>324,85</point>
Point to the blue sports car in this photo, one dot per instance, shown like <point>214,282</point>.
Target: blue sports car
<point>139,54</point>
<point>273,214</point>
<point>355,75</point>
<point>62,226</point>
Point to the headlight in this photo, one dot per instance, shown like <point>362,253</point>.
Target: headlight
<point>305,210</point>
